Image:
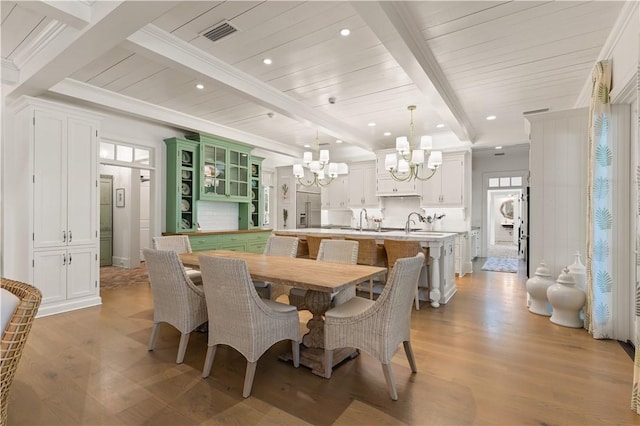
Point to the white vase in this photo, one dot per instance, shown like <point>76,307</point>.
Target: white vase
<point>567,301</point>
<point>579,272</point>
<point>537,288</point>
<point>437,225</point>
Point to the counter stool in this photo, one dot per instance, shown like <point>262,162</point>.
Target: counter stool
<point>398,249</point>
<point>371,254</point>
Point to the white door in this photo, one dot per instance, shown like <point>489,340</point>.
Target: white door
<point>145,217</point>
<point>50,274</point>
<point>82,185</point>
<point>50,180</point>
<point>451,177</point>
<point>81,280</point>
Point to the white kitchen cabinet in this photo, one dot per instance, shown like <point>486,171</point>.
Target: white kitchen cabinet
<point>387,186</point>
<point>335,196</point>
<point>362,188</point>
<point>446,187</point>
<point>475,243</point>
<point>51,232</point>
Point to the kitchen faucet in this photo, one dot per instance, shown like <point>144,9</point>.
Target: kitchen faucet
<point>407,226</point>
<point>365,216</point>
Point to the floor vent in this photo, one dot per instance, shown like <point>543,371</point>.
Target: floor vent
<point>220,31</point>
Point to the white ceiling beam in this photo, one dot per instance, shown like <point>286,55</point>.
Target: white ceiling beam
<point>76,14</point>
<point>395,27</point>
<point>170,50</point>
<point>10,73</point>
<point>107,99</point>
<point>72,49</point>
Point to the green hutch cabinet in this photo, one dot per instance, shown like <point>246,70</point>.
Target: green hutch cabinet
<point>182,185</point>
<point>224,169</point>
<point>251,212</point>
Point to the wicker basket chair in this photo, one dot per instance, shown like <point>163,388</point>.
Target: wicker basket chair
<point>372,254</point>
<point>336,251</point>
<point>377,327</point>
<point>242,320</point>
<point>15,336</point>
<point>179,244</point>
<point>313,244</point>
<point>277,245</point>
<point>397,249</point>
<point>176,299</point>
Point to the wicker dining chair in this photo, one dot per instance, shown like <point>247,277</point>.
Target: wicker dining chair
<point>180,244</point>
<point>336,251</point>
<point>242,320</point>
<point>377,327</point>
<point>176,299</point>
<point>372,254</point>
<point>14,336</point>
<point>277,245</point>
<point>397,249</point>
<point>313,244</point>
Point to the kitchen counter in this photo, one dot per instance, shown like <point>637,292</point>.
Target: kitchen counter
<point>441,251</point>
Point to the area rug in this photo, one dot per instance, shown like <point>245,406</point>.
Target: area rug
<point>113,276</point>
<point>501,264</point>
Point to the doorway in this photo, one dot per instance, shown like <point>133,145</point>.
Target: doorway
<point>106,220</point>
<point>504,219</point>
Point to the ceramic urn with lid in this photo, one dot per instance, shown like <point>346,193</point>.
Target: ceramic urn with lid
<point>537,288</point>
<point>567,301</point>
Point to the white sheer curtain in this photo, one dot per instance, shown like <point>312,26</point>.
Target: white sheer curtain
<point>598,318</point>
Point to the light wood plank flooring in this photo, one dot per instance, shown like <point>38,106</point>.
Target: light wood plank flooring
<point>482,359</point>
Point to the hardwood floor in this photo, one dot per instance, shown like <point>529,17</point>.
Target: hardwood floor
<point>482,359</point>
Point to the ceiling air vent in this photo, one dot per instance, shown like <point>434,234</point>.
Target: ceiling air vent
<point>535,111</point>
<point>220,31</point>
<point>498,154</point>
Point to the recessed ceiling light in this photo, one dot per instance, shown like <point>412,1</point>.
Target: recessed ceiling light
<point>306,145</point>
<point>345,32</point>
<point>338,141</point>
<point>491,117</point>
<point>498,147</point>
<point>267,61</point>
<point>372,124</point>
<point>199,86</point>
<point>387,133</point>
<point>440,126</point>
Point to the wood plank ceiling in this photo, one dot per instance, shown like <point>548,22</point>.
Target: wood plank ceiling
<point>457,61</point>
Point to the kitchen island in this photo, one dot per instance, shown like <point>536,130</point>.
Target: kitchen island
<point>441,252</point>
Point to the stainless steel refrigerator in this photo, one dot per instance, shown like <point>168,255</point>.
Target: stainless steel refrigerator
<point>308,210</point>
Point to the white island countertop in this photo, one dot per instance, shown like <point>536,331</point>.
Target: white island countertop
<point>414,235</point>
<point>441,250</point>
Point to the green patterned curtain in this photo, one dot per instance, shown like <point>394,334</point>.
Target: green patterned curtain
<point>598,320</point>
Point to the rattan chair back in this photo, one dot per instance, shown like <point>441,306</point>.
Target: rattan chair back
<point>313,243</point>
<point>177,243</point>
<point>369,252</point>
<point>15,336</point>
<point>281,246</point>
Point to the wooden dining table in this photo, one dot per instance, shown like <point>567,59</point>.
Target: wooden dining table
<point>321,279</point>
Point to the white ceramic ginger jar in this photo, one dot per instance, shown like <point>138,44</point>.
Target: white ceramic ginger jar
<point>579,272</point>
<point>567,301</point>
<point>537,288</point>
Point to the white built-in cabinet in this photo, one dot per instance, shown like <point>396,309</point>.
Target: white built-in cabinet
<point>52,164</point>
<point>335,196</point>
<point>387,186</point>
<point>362,188</point>
<point>446,187</point>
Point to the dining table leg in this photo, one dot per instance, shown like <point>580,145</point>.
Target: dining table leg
<point>312,347</point>
<point>317,302</point>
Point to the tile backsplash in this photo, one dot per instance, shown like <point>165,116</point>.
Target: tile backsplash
<point>217,216</point>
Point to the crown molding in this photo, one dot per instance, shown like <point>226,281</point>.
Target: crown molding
<point>39,43</point>
<point>110,100</point>
<point>629,15</point>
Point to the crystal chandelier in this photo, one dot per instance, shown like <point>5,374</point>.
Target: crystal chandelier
<point>323,171</point>
<point>407,167</point>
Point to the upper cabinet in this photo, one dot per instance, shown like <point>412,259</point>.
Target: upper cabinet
<point>224,169</point>
<point>387,186</point>
<point>446,187</point>
<point>182,185</point>
<point>335,196</point>
<point>362,191</point>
